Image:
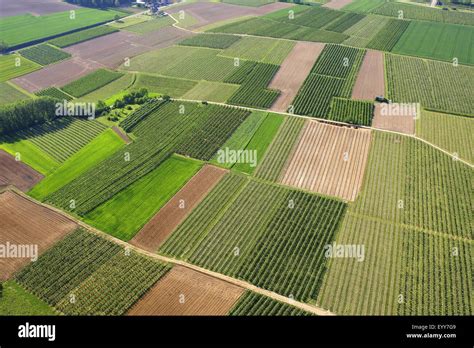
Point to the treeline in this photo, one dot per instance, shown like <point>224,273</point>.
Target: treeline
<point>100,3</point>
<point>27,113</point>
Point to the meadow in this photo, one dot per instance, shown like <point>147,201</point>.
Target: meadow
<point>18,301</point>
<point>14,65</point>
<point>164,85</point>
<point>10,94</point>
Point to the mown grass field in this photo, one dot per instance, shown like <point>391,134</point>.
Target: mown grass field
<point>14,65</point>
<point>363,6</point>
<point>164,85</point>
<point>211,91</point>
<point>438,41</point>
<point>210,40</point>
<point>91,82</point>
<point>259,50</point>
<point>30,153</point>
<point>17,301</point>
<point>24,28</point>
<point>450,132</point>
<point>122,84</point>
<point>125,213</point>
<point>261,140</point>
<point>96,151</point>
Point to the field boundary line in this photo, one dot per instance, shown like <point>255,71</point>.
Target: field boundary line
<point>323,120</point>
<point>241,283</point>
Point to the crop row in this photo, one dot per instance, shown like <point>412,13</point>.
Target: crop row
<point>91,82</point>
<point>211,40</point>
<point>270,236</point>
<point>44,54</point>
<point>275,159</point>
<point>352,111</point>
<point>64,136</point>
<point>345,22</point>
<point>82,36</point>
<point>55,93</point>
<point>337,61</point>
<point>317,17</point>
<point>253,91</point>
<point>252,303</point>
<point>388,36</point>
<point>171,127</point>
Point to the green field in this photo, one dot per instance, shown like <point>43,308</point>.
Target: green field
<point>268,235</point>
<point>435,85</point>
<point>242,136</point>
<point>210,40</point>
<point>24,28</point>
<point>285,140</point>
<point>30,154</point>
<point>81,36</point>
<point>365,30</point>
<point>44,54</point>
<point>252,303</point>
<point>450,132</point>
<point>259,49</point>
<point>408,220</point>
<point>363,6</point>
<point>161,128</point>
<point>62,137</point>
<point>17,301</point>
<point>119,85</point>
<point>261,140</point>
<point>150,25</point>
<point>387,37</point>
<point>211,91</point>
<point>126,212</point>
<point>91,82</point>
<point>164,85</point>
<point>96,151</point>
<point>14,65</point>
<point>253,3</point>
<point>352,111</point>
<point>128,21</point>
<point>191,63</point>
<point>345,22</point>
<point>10,94</point>
<point>438,41</point>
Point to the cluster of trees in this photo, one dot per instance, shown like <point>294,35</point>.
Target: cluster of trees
<point>100,3</point>
<point>26,113</point>
<point>135,97</point>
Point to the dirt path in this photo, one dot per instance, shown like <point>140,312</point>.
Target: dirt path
<point>177,209</point>
<point>337,4</point>
<point>371,78</point>
<point>183,291</point>
<point>238,282</point>
<point>121,134</point>
<point>293,72</point>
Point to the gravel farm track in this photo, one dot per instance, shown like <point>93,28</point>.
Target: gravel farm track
<point>26,223</point>
<point>172,214</point>
<point>183,291</point>
<point>329,159</point>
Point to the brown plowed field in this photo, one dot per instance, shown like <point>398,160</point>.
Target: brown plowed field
<point>111,50</point>
<point>337,4</point>
<point>17,173</point>
<point>212,12</point>
<point>56,75</point>
<point>293,72</point>
<point>171,215</point>
<point>402,123</point>
<point>330,160</point>
<point>371,78</point>
<point>183,291</point>
<point>26,223</point>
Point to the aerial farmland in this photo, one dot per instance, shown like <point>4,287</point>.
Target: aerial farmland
<point>236,158</point>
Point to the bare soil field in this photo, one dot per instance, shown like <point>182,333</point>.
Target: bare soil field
<point>112,50</point>
<point>337,4</point>
<point>371,78</point>
<point>403,123</point>
<point>121,134</point>
<point>56,75</point>
<point>330,160</point>
<point>177,209</point>
<point>212,12</point>
<point>17,173</point>
<point>35,7</point>
<point>293,72</point>
<point>183,291</point>
<point>24,223</point>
